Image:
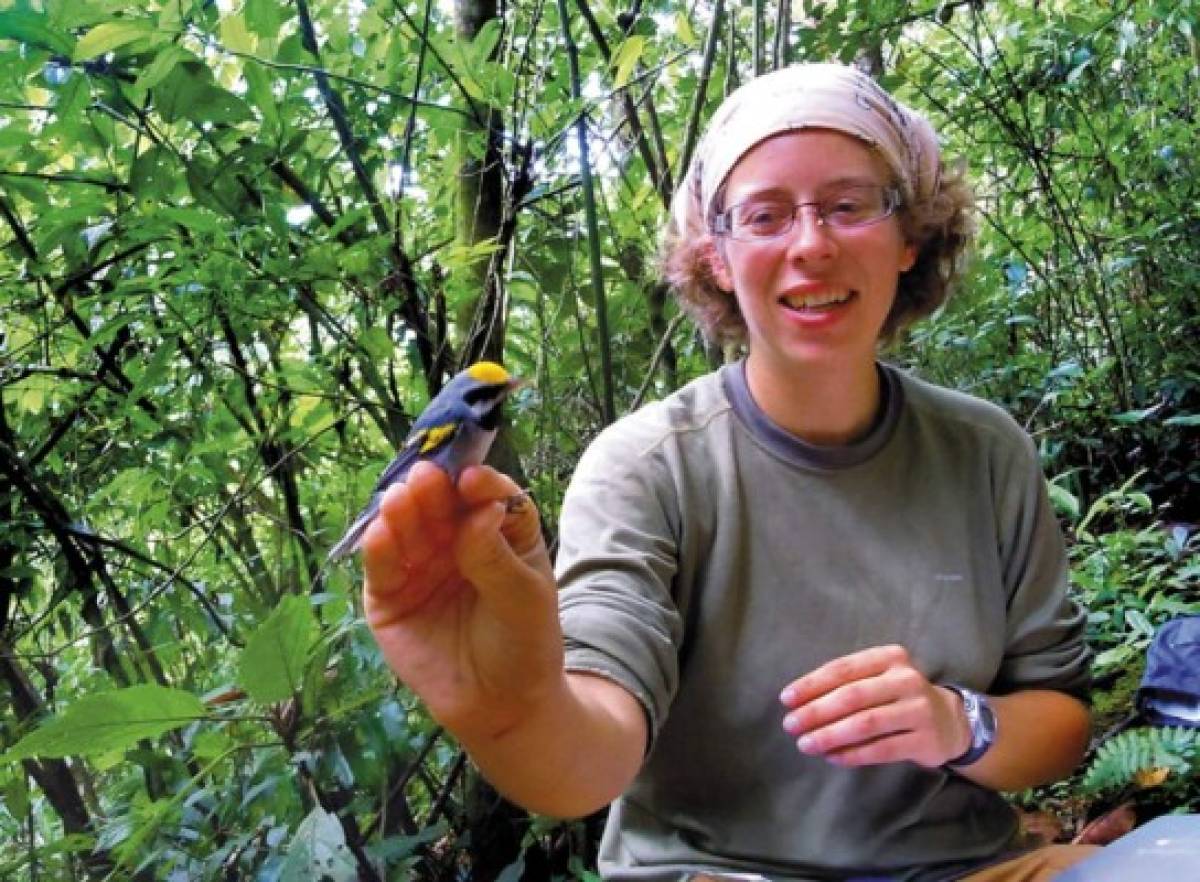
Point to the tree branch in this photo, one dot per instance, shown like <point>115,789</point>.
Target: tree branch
<point>109,186</point>
<point>337,111</point>
<point>589,208</point>
<point>698,101</point>
<point>656,166</point>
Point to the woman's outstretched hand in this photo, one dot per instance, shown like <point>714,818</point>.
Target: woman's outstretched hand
<point>460,597</point>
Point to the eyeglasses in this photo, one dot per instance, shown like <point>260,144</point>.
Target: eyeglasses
<point>847,208</point>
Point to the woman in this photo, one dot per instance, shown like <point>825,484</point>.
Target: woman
<point>812,613</point>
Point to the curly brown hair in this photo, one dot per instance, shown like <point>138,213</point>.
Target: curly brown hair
<point>942,227</point>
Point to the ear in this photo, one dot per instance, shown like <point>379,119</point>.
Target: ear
<point>908,257</point>
<point>712,254</point>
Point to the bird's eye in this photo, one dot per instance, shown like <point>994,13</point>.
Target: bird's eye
<point>480,394</point>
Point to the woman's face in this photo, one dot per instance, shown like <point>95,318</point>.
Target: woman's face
<point>816,294</point>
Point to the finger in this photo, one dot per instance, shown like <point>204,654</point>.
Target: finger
<point>480,484</point>
<point>889,749</point>
<point>438,501</point>
<point>522,525</point>
<point>897,684</point>
<point>384,562</point>
<point>432,486</point>
<point>846,669</point>
<point>394,586</point>
<point>414,530</point>
<point>862,727</point>
<point>487,561</point>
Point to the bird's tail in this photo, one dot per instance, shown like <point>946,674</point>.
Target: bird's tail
<point>349,542</point>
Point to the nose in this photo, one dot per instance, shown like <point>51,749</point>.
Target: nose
<point>810,238</point>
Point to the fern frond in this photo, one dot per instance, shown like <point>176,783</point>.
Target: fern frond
<point>1119,761</point>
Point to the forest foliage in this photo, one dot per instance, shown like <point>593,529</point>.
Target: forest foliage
<point>243,242</point>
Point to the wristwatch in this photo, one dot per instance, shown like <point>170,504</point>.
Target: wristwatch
<point>982,720</point>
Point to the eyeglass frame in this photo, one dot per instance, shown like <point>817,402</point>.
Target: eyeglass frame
<point>893,201</point>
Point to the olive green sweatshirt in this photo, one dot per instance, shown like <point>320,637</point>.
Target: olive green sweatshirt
<point>708,558</point>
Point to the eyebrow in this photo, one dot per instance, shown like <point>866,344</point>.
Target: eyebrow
<point>783,193</point>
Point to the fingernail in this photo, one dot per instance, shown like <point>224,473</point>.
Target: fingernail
<point>788,695</point>
<point>805,743</point>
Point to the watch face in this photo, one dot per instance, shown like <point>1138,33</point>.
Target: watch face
<point>983,722</point>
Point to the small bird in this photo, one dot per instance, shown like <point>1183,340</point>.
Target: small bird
<point>456,430</point>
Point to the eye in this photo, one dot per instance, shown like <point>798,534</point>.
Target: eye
<point>479,394</point>
<point>761,217</point>
<point>853,204</point>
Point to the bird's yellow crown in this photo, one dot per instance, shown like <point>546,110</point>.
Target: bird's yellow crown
<point>488,372</point>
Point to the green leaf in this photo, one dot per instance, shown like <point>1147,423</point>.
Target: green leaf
<point>174,92</point>
<point>1135,416</point>
<point>164,62</point>
<point>626,58</point>
<point>258,91</point>
<point>319,851</point>
<point>156,371</point>
<point>377,343</point>
<point>33,398</point>
<point>395,848</point>
<point>1064,501</point>
<point>188,92</point>
<point>107,721</point>
<point>485,41</point>
<point>33,29</point>
<point>1137,621</point>
<point>263,17</point>
<point>211,744</point>
<point>109,36</point>
<point>194,219</point>
<point>1184,419</point>
<point>235,36</point>
<point>214,104</point>
<point>16,795</point>
<point>154,173</point>
<point>683,29</point>
<point>272,664</point>
<point>1114,656</point>
<point>72,98</point>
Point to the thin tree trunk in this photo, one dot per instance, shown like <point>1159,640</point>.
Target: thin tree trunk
<point>608,397</point>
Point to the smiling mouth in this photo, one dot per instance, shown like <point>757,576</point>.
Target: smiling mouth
<point>809,302</point>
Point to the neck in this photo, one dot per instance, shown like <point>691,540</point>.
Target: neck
<point>826,406</point>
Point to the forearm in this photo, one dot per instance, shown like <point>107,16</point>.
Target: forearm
<point>1041,736</point>
<point>572,755</point>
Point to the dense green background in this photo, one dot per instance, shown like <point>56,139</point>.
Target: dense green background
<point>242,242</point>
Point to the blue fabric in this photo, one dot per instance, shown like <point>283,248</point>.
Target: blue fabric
<point>1169,694</point>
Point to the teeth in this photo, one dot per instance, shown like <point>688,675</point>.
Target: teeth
<point>815,300</point>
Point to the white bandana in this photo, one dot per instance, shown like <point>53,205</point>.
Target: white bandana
<point>824,96</point>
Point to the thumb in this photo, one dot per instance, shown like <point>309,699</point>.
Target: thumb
<point>487,560</point>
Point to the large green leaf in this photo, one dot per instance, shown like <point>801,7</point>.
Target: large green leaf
<point>272,664</point>
<point>33,29</point>
<point>107,721</point>
<point>154,173</point>
<point>625,60</point>
<point>187,91</point>
<point>263,17</point>
<point>164,62</point>
<point>109,36</point>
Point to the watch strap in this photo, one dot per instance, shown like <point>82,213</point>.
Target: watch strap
<point>982,721</point>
